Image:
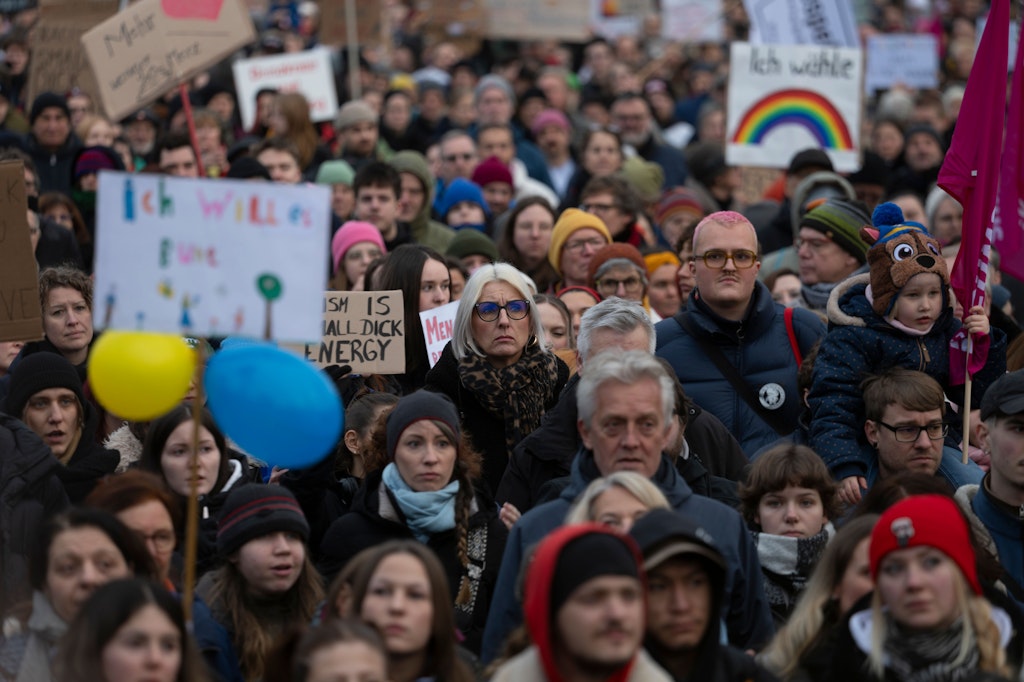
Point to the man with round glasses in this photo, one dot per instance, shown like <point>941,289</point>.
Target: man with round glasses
<point>730,318</point>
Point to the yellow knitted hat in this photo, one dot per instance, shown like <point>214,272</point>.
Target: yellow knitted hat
<point>571,220</point>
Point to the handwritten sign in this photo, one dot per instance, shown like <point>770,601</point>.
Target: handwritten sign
<point>910,59</point>
<point>802,22</point>
<point>692,20</point>
<point>364,329</point>
<point>151,47</point>
<point>369,22</point>
<point>437,329</point>
<point>307,72</point>
<point>784,98</point>
<point>20,315</point>
<point>211,257</point>
<point>614,18</point>
<point>58,58</point>
<point>538,19</point>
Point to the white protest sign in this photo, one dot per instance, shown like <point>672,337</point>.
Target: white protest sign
<point>802,22</point>
<point>910,59</point>
<point>362,329</point>
<point>211,257</point>
<point>306,72</point>
<point>437,329</point>
<point>786,98</point>
<point>692,20</point>
<point>614,18</point>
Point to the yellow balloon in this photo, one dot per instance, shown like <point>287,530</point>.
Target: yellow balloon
<point>140,375</point>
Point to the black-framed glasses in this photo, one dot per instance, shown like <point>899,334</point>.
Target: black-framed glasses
<point>489,311</point>
<point>910,433</point>
<point>607,286</point>
<point>716,258</point>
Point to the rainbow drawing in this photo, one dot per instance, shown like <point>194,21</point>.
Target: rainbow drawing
<point>804,108</point>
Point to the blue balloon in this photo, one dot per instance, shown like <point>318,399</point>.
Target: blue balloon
<point>275,405</point>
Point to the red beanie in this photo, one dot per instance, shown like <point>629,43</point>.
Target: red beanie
<point>613,251</point>
<point>491,170</point>
<point>925,521</point>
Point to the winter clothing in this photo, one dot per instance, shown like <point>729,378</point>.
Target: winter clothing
<point>615,251</point>
<point>355,111</point>
<point>350,234</point>
<point>253,511</point>
<point>746,612</point>
<point>38,372</point>
<point>786,565</point>
<point>424,230</point>
<point>472,243</point>
<point>678,200</point>
<point>569,221</point>
<point>998,531</point>
<point>670,159</point>
<point>840,221</point>
<point>26,656</point>
<point>335,173</point>
<point>47,100</point>
<point>861,343</point>
<point>528,667</point>
<point>491,170</point>
<point>903,251</point>
<point>54,166</point>
<point>462,190</point>
<point>376,517</point>
<point>1004,397</point>
<point>210,506</point>
<point>759,347</point>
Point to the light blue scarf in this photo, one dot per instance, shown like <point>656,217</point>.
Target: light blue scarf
<point>425,513</point>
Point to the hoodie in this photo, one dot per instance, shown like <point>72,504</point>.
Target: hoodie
<point>424,230</point>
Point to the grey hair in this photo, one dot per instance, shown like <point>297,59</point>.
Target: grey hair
<point>627,367</point>
<point>620,263</point>
<point>637,485</point>
<point>616,314</point>
<point>463,342</point>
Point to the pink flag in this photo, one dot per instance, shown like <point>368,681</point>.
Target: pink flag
<point>1009,234</point>
<point>970,173</point>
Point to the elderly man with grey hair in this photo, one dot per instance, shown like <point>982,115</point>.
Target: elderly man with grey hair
<point>626,404</point>
<point>546,454</point>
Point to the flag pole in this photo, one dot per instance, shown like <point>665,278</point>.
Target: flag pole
<point>966,407</point>
<point>192,514</point>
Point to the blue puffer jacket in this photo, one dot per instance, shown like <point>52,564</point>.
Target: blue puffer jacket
<point>758,347</point>
<point>861,343</point>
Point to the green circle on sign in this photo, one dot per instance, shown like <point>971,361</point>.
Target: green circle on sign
<point>269,285</point>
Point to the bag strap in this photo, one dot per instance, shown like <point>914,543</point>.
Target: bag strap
<point>732,375</point>
<point>788,316</point>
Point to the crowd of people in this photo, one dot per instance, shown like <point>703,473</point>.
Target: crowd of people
<point>693,422</point>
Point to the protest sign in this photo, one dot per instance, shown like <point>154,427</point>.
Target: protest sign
<point>538,19</point>
<point>910,59</point>
<point>802,22</point>
<point>462,21</point>
<point>58,58</point>
<point>369,22</point>
<point>20,315</point>
<point>362,329</point>
<point>152,46</point>
<point>692,20</point>
<point>211,257</point>
<point>614,18</point>
<point>308,73</point>
<point>437,329</point>
<point>786,98</point>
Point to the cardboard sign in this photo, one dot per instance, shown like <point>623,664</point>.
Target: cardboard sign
<point>698,21</point>
<point>802,22</point>
<point>307,72</point>
<point>538,19</point>
<point>151,47</point>
<point>58,58</point>
<point>437,329</point>
<point>364,329</point>
<point>211,257</point>
<point>21,318</point>
<point>456,20</point>
<point>786,98</point>
<point>910,59</point>
<point>369,22</point>
<point>614,18</point>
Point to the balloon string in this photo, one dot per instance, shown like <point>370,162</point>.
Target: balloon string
<point>192,515</point>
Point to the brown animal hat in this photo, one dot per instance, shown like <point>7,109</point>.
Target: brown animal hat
<point>900,251</point>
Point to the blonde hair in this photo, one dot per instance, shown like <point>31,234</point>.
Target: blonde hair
<point>633,483</point>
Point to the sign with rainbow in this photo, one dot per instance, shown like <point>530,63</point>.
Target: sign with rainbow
<point>785,98</point>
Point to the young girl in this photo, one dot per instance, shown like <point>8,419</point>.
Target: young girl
<point>267,583</point>
<point>787,502</point>
<point>899,315</point>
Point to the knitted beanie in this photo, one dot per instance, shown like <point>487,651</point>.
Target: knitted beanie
<point>676,200</point>
<point>924,129</point>
<point>615,251</point>
<point>93,160</point>
<point>549,117</point>
<point>494,81</point>
<point>461,190</point>
<point>660,258</point>
<point>900,250</point>
<point>350,234</point>
<point>841,221</point>
<point>591,556</point>
<point>355,111</point>
<point>255,510</point>
<point>491,170</point>
<point>472,243</point>
<point>571,220</point>
<point>45,101</point>
<point>645,177</point>
<point>335,173</point>
<point>247,168</point>
<point>925,521</point>
<point>418,406</point>
<point>38,372</point>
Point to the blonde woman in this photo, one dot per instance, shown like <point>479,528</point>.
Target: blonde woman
<point>617,500</point>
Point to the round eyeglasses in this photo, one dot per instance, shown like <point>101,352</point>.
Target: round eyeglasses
<point>489,311</point>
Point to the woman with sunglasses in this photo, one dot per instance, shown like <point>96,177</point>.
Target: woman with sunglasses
<point>497,369</point>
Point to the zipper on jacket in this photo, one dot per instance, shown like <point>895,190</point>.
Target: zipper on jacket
<point>925,358</point>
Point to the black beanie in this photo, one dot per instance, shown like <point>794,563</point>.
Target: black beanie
<point>38,372</point>
<point>247,168</point>
<point>254,510</point>
<point>590,556</point>
<point>415,407</point>
<point>47,100</point>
